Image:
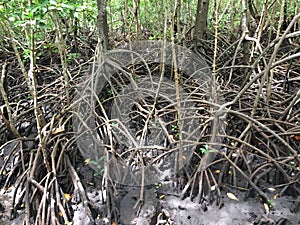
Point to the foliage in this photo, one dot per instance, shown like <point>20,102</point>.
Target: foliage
<point>206,149</point>
<point>36,16</point>
<point>99,166</point>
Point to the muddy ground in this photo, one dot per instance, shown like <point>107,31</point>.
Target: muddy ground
<point>163,205</point>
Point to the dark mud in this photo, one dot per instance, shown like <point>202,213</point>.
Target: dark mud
<point>163,206</point>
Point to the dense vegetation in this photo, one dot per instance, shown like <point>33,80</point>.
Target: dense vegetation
<point>47,48</point>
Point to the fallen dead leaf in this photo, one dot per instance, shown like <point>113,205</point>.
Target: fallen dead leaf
<point>68,196</point>
<point>58,130</point>
<point>232,196</point>
<point>217,171</point>
<point>87,161</point>
<point>267,208</point>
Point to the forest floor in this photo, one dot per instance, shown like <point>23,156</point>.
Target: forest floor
<point>164,206</point>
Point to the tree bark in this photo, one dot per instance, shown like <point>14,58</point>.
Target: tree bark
<point>136,4</point>
<point>102,24</point>
<point>201,20</point>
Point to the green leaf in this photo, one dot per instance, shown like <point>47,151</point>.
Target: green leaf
<point>271,202</point>
<point>76,14</point>
<point>30,15</point>
<point>11,19</point>
<point>203,150</point>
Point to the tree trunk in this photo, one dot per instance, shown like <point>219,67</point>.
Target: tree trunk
<point>136,4</point>
<point>201,21</point>
<point>102,24</point>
